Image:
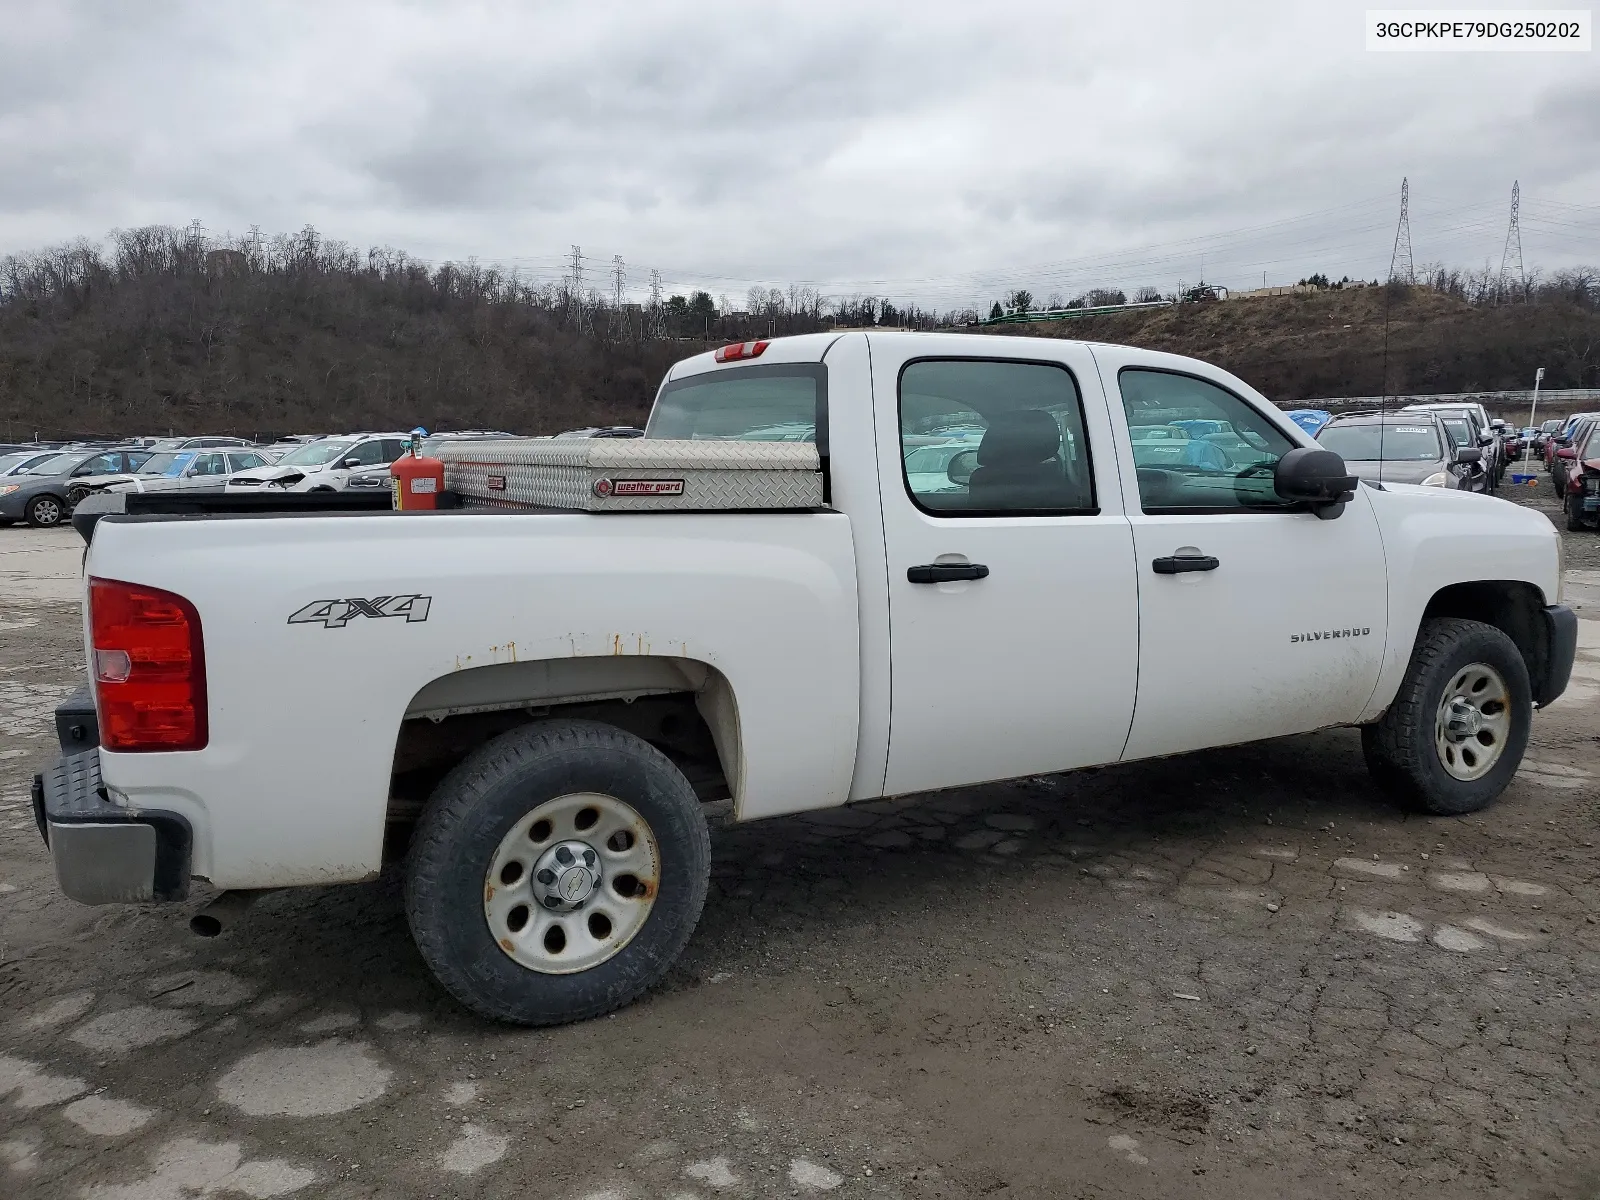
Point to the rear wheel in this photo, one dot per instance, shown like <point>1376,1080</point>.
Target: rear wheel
<point>1575,521</point>
<point>1458,727</point>
<point>45,511</point>
<point>557,873</point>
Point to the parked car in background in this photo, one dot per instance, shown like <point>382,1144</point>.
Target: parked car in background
<point>198,443</point>
<point>19,461</point>
<point>1582,499</point>
<point>1481,434</point>
<point>1546,431</point>
<point>1566,452</point>
<point>1309,419</point>
<point>369,478</point>
<point>177,470</point>
<point>324,465</point>
<point>604,431</point>
<point>1404,448</point>
<point>39,494</point>
<point>1561,436</point>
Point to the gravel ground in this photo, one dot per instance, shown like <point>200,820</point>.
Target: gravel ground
<point>1235,974</point>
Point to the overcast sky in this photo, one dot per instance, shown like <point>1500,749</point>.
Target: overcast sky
<point>936,151</point>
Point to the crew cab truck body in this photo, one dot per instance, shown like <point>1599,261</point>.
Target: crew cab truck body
<point>1128,554</point>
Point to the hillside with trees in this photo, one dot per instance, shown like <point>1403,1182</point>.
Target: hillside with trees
<point>1337,342</point>
<point>167,329</point>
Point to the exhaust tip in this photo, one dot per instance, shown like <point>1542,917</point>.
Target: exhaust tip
<point>204,925</point>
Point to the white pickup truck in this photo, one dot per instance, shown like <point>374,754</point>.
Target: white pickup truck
<point>1033,556</point>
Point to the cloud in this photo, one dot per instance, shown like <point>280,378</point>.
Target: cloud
<point>939,151</point>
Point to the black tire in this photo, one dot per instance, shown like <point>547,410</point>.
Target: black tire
<point>1574,509</point>
<point>45,512</point>
<point>476,806</point>
<point>1399,746</point>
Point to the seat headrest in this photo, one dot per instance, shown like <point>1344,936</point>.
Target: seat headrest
<point>1027,436</point>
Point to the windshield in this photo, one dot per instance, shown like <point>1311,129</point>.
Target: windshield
<point>776,403</point>
<point>1382,443</point>
<point>58,464</point>
<point>166,464</point>
<point>315,454</point>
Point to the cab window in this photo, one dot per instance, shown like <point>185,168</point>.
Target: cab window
<point>990,438</point>
<point>1197,446</point>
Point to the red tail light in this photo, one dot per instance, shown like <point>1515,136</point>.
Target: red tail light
<point>149,668</point>
<point>740,350</point>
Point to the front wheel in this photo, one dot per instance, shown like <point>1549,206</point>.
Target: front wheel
<point>1458,727</point>
<point>557,873</point>
<point>45,512</point>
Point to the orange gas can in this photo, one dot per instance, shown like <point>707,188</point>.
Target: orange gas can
<point>418,481</point>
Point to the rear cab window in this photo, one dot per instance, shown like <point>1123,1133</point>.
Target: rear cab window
<point>772,402</point>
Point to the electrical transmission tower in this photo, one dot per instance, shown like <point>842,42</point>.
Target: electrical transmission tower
<point>619,315</point>
<point>655,321</point>
<point>1511,256</point>
<point>575,289</point>
<point>1400,266</point>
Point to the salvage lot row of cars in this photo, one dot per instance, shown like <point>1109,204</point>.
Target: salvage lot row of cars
<point>42,483</point>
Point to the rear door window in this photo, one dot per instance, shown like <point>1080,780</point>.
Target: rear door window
<point>988,438</point>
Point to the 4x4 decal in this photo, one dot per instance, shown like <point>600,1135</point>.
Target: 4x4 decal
<point>335,614</point>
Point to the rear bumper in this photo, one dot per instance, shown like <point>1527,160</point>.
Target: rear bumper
<point>1561,626</point>
<point>103,852</point>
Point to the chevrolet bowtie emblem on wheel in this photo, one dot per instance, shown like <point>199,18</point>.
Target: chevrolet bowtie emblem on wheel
<point>335,614</point>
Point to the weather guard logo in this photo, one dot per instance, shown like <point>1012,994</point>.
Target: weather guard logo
<point>336,614</point>
<point>1323,635</point>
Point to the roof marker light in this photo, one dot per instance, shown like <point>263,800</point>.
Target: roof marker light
<point>740,350</point>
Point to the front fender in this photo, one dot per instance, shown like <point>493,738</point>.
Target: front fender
<point>1438,538</point>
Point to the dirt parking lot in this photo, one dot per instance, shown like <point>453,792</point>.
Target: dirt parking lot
<point>1232,975</point>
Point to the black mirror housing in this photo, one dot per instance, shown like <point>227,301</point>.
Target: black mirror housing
<point>1468,454</point>
<point>960,469</point>
<point>1316,476</point>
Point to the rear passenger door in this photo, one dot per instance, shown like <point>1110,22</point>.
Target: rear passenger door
<point>1012,610</point>
<point>1256,617</point>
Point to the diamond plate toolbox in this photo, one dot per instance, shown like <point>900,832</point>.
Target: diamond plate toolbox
<point>633,474</point>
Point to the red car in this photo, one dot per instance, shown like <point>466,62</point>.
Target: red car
<point>1582,491</point>
<point>1565,452</point>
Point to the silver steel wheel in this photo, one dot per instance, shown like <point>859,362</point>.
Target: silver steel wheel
<point>1473,722</point>
<point>571,883</point>
<point>45,511</point>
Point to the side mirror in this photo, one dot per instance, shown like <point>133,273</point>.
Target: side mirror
<point>352,462</point>
<point>1486,439</point>
<point>1469,454</point>
<point>1316,476</point>
<point>961,468</point>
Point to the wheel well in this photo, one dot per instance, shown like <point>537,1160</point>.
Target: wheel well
<point>1511,606</point>
<point>684,709</point>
